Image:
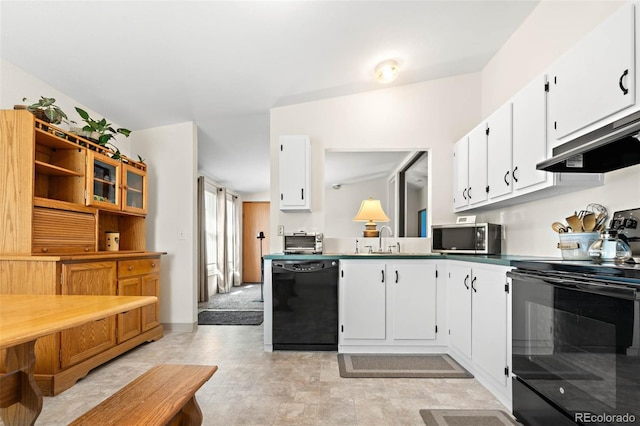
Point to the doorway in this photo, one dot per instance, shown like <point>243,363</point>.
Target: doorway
<point>255,219</point>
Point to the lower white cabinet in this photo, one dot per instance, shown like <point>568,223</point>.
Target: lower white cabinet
<point>478,318</point>
<point>387,303</point>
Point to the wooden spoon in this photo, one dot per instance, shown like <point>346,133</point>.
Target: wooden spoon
<point>575,223</point>
<point>589,222</point>
<point>558,227</point>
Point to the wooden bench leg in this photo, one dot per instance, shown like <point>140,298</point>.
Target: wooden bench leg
<point>190,415</point>
<point>24,404</point>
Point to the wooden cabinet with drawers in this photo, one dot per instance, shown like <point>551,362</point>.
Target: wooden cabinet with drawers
<point>60,195</point>
<point>138,277</point>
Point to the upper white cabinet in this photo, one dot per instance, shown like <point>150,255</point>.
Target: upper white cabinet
<point>477,191</point>
<point>461,173</point>
<point>594,79</point>
<point>529,134</point>
<point>294,166</point>
<point>499,144</point>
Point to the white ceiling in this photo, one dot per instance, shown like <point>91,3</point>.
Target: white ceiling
<point>224,64</point>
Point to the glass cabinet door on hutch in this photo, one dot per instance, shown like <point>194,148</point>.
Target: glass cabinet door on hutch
<point>134,189</point>
<point>103,181</point>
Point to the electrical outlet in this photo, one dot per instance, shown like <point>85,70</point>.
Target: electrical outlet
<point>280,230</point>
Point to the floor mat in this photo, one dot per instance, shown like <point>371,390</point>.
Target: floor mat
<point>396,366</point>
<point>467,418</point>
<point>230,318</point>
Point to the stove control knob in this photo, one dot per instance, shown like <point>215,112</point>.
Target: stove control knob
<point>630,223</point>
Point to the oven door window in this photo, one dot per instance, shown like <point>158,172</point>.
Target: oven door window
<point>579,349</point>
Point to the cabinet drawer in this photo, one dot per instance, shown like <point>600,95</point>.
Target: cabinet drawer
<point>127,268</point>
<point>60,231</point>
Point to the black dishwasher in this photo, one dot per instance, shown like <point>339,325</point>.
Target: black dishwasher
<point>305,305</point>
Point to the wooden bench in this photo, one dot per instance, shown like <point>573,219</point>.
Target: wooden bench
<point>164,395</point>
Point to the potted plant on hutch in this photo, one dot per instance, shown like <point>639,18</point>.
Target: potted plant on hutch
<point>46,110</point>
<point>102,132</point>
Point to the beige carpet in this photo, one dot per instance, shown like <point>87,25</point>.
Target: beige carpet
<point>400,366</point>
<point>467,418</point>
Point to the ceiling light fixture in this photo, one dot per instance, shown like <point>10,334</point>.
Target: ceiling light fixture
<point>387,71</point>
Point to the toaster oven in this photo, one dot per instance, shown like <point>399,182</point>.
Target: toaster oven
<point>303,243</point>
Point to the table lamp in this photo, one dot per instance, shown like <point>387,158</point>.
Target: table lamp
<point>370,212</point>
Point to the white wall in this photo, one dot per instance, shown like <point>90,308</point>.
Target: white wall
<point>551,29</point>
<point>15,84</point>
<point>172,153</point>
<point>341,207</point>
<point>420,116</point>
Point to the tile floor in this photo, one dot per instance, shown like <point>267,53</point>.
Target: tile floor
<point>253,387</point>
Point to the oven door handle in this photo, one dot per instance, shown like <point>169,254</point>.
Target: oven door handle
<point>591,286</point>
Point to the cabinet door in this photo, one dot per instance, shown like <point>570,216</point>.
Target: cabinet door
<point>294,172</point>
<point>459,308</point>
<point>151,313</point>
<point>596,78</point>
<point>129,322</point>
<point>363,300</point>
<point>103,181</point>
<point>134,189</point>
<point>414,300</point>
<point>87,340</point>
<point>529,134</point>
<point>461,173</point>
<point>489,315</point>
<point>477,191</point>
<point>499,152</point>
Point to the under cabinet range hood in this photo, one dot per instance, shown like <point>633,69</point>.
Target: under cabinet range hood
<point>612,147</point>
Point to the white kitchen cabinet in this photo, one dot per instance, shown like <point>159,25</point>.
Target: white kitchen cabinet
<point>477,191</point>
<point>529,135</point>
<point>362,300</point>
<point>294,166</point>
<point>413,288</point>
<point>489,322</point>
<point>459,308</point>
<point>596,78</point>
<point>387,304</point>
<point>477,318</point>
<point>499,143</point>
<point>461,173</point>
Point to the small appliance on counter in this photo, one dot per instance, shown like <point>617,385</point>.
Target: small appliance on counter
<point>626,224</point>
<point>467,238</point>
<point>303,243</point>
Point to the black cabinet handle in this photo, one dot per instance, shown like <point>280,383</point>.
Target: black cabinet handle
<point>472,282</point>
<point>624,89</point>
<point>469,192</point>
<point>505,178</point>
<point>466,279</point>
<point>464,193</point>
<point>302,193</point>
<point>382,275</point>
<point>396,276</point>
<point>514,174</point>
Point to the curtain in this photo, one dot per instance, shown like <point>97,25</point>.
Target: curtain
<point>224,281</point>
<point>203,275</point>
<point>237,233</point>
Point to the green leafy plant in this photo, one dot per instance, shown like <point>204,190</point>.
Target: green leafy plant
<point>140,159</point>
<point>107,133</point>
<point>47,110</point>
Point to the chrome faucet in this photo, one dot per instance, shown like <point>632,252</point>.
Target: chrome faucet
<point>382,228</point>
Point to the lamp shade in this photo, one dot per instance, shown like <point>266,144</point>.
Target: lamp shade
<point>371,211</point>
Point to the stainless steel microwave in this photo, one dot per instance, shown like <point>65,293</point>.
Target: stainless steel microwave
<point>467,238</point>
<point>303,243</point>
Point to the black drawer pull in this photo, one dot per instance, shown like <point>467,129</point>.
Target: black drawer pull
<point>624,89</point>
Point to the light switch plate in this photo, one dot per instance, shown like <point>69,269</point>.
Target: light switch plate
<point>280,230</point>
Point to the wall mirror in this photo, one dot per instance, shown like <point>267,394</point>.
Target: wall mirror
<point>399,179</point>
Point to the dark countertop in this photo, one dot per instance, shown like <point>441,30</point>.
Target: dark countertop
<point>503,259</point>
